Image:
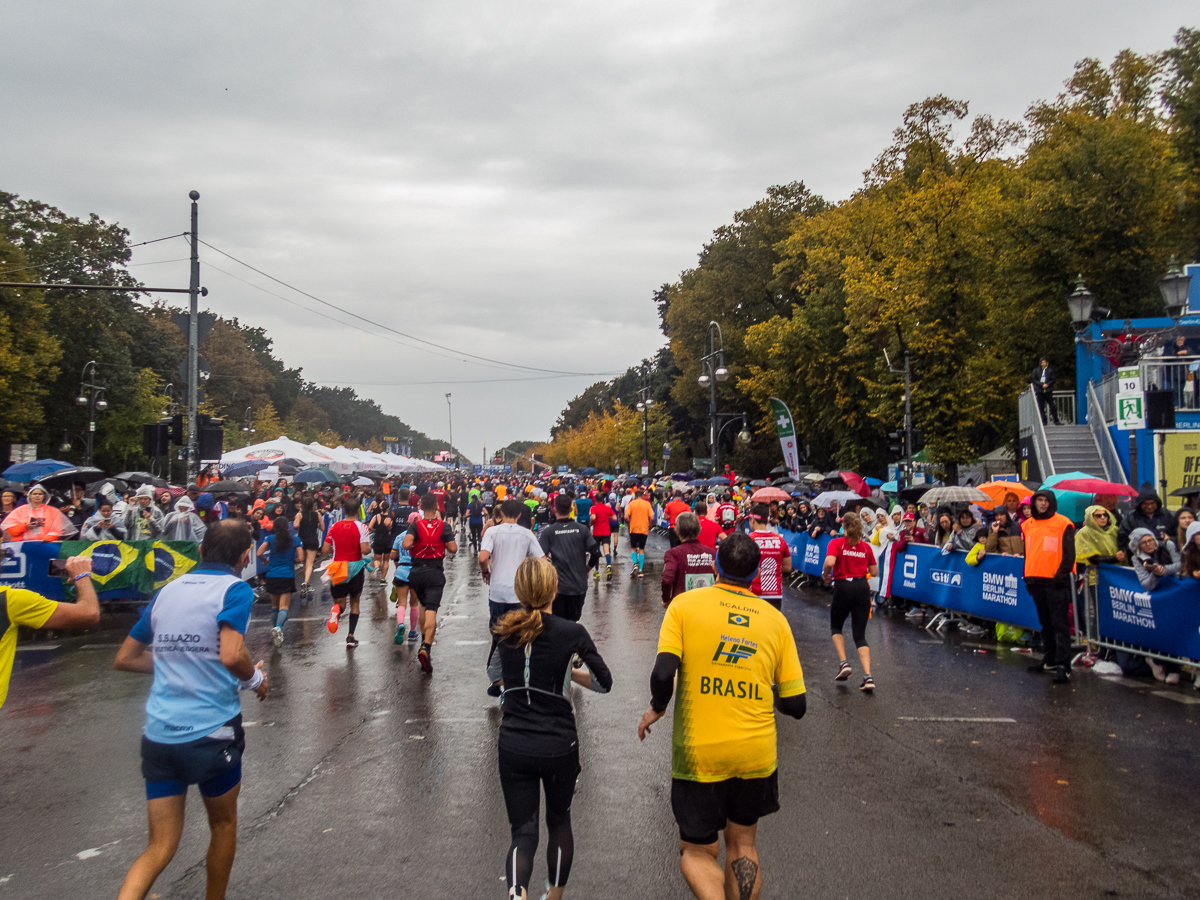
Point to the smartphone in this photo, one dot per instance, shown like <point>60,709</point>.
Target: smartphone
<point>57,568</point>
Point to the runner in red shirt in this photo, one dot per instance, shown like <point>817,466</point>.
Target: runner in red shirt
<point>673,511</point>
<point>440,493</point>
<point>727,513</point>
<point>848,563</point>
<point>710,531</point>
<point>776,558</point>
<point>602,516</point>
<point>349,541</point>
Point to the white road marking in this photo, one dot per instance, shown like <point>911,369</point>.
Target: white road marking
<point>1172,695</point>
<point>92,852</point>
<point>470,643</point>
<point>35,647</point>
<point>955,719</point>
<point>442,721</point>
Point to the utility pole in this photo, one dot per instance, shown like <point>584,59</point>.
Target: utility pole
<point>193,442</point>
<point>908,429</point>
<point>450,416</point>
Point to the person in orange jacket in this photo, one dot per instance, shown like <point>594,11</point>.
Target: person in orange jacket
<point>1049,561</point>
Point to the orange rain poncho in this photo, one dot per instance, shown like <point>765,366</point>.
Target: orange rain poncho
<point>40,522</point>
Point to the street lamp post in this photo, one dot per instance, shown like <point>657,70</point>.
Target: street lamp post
<point>248,421</point>
<point>712,370</point>
<point>743,436</point>
<point>645,401</point>
<point>90,396</point>
<point>450,417</point>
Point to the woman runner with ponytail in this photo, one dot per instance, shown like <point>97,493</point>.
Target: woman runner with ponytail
<point>848,562</point>
<point>538,742</point>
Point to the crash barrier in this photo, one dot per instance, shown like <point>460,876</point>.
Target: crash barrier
<point>993,590</point>
<point>121,570</point>
<point>1119,614</point>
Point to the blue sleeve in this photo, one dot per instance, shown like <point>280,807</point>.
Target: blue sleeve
<point>236,611</point>
<point>142,632</point>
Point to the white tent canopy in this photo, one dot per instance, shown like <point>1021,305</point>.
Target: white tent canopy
<point>340,459</point>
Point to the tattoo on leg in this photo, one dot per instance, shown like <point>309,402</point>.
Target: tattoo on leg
<point>745,870</point>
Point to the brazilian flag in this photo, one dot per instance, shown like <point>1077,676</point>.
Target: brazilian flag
<point>167,560</point>
<point>114,563</point>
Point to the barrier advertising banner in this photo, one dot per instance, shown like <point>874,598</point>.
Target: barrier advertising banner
<point>1166,619</point>
<point>121,570</point>
<point>808,555</point>
<point>994,589</point>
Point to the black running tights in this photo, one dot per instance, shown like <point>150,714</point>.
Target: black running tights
<point>521,778</point>
<point>851,597</point>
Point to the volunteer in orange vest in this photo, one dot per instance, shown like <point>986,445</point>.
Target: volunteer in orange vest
<point>1049,562</point>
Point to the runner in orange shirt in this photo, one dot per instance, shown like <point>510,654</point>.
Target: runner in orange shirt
<point>639,515</point>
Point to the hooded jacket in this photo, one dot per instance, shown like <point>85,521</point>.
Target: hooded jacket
<point>1049,544</point>
<point>183,524</point>
<point>1159,520</point>
<point>1006,540</point>
<point>1165,555</point>
<point>964,538</point>
<point>94,530</point>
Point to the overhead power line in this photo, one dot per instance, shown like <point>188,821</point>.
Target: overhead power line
<point>411,337</point>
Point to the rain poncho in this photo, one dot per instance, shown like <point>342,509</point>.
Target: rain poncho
<point>94,530</point>
<point>37,520</point>
<point>887,534</point>
<point>1095,544</point>
<point>1166,555</point>
<point>183,524</point>
<point>139,526</point>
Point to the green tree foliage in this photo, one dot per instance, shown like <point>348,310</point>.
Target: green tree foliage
<point>28,352</point>
<point>47,337</point>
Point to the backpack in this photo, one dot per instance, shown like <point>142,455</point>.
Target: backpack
<point>428,543</point>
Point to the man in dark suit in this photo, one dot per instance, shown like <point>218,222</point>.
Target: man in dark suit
<point>1043,389</point>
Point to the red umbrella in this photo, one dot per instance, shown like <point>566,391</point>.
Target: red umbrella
<point>1095,486</point>
<point>768,494</point>
<point>855,483</point>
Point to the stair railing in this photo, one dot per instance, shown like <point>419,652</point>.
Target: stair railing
<point>1031,426</point>
<point>1113,469</point>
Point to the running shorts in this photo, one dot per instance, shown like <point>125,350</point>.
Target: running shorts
<point>213,763</point>
<point>569,606</point>
<point>702,807</point>
<point>428,583</point>
<point>637,541</point>
<point>313,544</point>
<point>351,588</point>
<point>277,586</point>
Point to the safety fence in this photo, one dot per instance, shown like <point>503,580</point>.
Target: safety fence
<point>1119,614</point>
<point>121,570</point>
<point>1116,612</point>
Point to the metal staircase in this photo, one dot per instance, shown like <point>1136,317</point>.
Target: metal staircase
<point>1072,449</point>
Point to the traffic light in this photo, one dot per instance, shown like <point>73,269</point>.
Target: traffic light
<point>918,440</point>
<point>896,443</point>
<point>155,439</point>
<point>177,430</point>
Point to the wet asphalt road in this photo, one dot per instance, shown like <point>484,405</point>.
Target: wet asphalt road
<point>365,778</point>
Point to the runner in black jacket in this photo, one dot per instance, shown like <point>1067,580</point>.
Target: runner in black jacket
<point>538,741</point>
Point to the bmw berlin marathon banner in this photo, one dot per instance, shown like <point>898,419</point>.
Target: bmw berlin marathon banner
<point>787,436</point>
<point>994,589</point>
<point>1166,619</point>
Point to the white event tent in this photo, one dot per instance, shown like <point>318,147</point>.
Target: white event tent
<point>341,460</point>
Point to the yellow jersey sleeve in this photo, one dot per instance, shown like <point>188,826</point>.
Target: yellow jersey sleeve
<point>29,609</point>
<point>670,634</point>
<point>788,674</point>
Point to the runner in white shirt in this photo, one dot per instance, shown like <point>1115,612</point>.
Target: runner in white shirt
<point>503,548</point>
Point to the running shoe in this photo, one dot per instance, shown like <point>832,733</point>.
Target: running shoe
<point>641,574</point>
<point>971,628</point>
<point>915,613</point>
<point>596,574</point>
<point>424,659</point>
<point>303,589</point>
<point>332,624</point>
<point>843,671</point>
<point>494,690</point>
<point>1063,675</point>
<point>277,636</point>
<point>608,576</point>
<point>413,634</point>
<point>399,639</point>
<point>868,684</point>
<point>351,642</point>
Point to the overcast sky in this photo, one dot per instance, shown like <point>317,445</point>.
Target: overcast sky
<point>508,178</point>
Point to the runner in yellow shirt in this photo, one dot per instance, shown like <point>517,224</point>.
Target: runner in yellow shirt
<point>21,607</point>
<point>729,648</point>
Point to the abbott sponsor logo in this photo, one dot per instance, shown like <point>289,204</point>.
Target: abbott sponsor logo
<point>909,572</point>
<point>1131,607</point>
<point>945,577</point>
